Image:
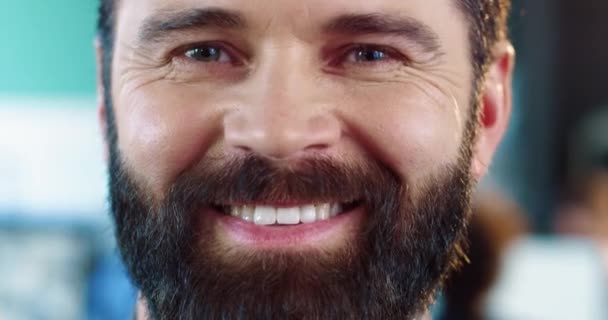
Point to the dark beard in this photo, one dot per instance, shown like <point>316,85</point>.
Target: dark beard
<point>391,270</point>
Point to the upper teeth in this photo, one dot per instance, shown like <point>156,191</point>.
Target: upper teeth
<point>266,215</point>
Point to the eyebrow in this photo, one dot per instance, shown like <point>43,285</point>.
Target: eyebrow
<point>160,26</point>
<point>380,23</point>
<point>163,24</point>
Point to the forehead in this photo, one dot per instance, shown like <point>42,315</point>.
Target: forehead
<point>442,16</point>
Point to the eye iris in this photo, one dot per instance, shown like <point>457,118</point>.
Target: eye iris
<point>370,55</point>
<point>205,54</point>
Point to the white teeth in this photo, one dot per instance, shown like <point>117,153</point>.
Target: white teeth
<point>322,211</point>
<point>267,215</point>
<point>335,210</point>
<point>308,214</point>
<point>288,215</point>
<point>247,213</point>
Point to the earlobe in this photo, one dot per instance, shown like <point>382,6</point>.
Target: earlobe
<point>101,103</point>
<point>496,103</point>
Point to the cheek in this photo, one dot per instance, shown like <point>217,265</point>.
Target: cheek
<point>162,134</point>
<point>413,132</point>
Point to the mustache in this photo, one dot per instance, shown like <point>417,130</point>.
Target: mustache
<point>255,179</point>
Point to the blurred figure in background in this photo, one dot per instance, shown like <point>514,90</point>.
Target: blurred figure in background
<point>584,211</point>
<point>496,223</point>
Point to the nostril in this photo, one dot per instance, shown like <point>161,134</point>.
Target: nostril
<point>244,148</point>
<point>317,147</point>
<point>281,137</point>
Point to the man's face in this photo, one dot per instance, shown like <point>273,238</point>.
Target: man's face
<point>309,159</point>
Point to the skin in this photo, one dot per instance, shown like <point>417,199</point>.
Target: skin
<point>295,93</point>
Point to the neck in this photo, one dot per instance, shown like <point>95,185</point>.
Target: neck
<point>141,309</point>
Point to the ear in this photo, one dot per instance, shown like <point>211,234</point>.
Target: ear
<point>101,103</point>
<point>496,100</point>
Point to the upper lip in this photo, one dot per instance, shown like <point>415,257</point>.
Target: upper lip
<point>345,204</point>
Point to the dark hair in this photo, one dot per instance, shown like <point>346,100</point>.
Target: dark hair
<point>105,36</point>
<point>487,25</point>
<point>105,33</point>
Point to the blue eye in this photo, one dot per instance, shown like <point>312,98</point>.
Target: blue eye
<point>207,54</point>
<point>369,55</point>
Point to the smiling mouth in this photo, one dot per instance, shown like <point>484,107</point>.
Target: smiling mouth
<point>283,215</point>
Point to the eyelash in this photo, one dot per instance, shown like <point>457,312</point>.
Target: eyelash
<point>346,55</point>
<point>224,49</point>
<point>350,54</point>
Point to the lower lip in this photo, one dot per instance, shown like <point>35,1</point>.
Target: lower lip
<point>301,235</point>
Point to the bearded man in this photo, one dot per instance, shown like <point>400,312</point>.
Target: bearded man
<point>297,159</point>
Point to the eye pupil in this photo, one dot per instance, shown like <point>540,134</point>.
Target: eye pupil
<point>370,55</point>
<point>205,54</point>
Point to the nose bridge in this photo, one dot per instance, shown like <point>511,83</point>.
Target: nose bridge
<point>284,114</point>
<point>283,80</point>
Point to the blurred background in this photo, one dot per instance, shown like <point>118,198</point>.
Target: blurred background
<point>539,240</point>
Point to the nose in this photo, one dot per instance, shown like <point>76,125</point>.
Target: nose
<point>283,117</point>
<point>281,132</point>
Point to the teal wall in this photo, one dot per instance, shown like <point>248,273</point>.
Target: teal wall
<point>46,47</point>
